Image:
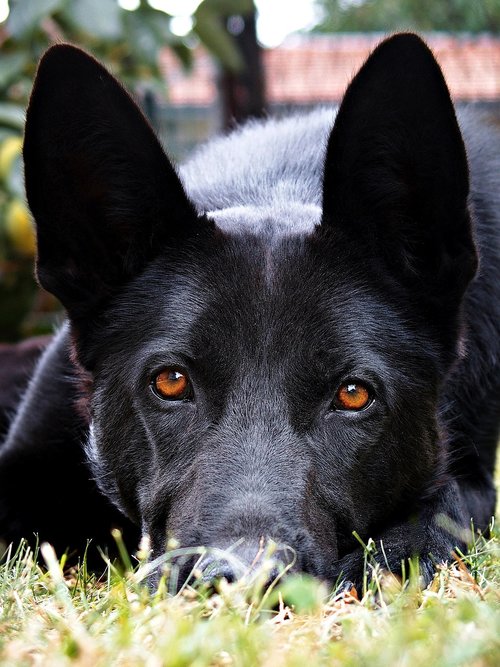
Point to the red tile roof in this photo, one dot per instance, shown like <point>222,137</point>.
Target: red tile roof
<point>317,68</point>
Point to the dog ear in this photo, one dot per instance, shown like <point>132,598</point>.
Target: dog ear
<point>102,191</point>
<point>396,175</point>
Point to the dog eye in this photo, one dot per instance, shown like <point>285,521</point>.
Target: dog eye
<point>172,384</point>
<point>352,395</point>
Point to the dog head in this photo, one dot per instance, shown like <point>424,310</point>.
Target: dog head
<point>266,371</point>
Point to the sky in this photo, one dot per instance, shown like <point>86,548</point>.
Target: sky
<point>276,18</point>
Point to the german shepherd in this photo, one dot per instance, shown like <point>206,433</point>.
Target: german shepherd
<point>290,338</point>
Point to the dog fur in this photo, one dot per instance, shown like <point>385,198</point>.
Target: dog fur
<point>279,263</point>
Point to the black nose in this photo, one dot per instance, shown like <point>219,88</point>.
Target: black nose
<point>250,564</point>
<point>213,569</point>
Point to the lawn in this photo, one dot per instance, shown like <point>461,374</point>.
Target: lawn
<point>47,618</point>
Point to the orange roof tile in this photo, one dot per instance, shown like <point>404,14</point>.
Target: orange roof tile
<point>317,68</point>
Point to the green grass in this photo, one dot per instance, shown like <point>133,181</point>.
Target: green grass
<point>47,618</point>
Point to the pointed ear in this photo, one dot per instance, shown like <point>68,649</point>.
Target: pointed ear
<point>103,193</point>
<point>396,174</point>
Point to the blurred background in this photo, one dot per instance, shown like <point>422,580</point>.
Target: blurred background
<point>198,67</point>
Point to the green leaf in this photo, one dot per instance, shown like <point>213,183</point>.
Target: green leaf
<point>141,39</point>
<point>15,178</point>
<point>302,592</point>
<point>213,34</point>
<point>11,115</point>
<point>11,66</point>
<point>97,18</point>
<point>25,15</point>
<point>157,21</point>
<point>184,53</point>
<point>229,7</point>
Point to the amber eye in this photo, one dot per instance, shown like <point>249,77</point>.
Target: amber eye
<point>352,395</point>
<point>171,384</point>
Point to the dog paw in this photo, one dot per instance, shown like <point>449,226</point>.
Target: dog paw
<point>359,568</point>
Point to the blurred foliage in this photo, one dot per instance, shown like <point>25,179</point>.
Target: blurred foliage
<point>386,15</point>
<point>219,41</point>
<point>128,42</point>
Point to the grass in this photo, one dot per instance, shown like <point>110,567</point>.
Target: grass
<point>51,618</point>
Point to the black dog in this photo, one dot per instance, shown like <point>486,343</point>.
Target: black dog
<point>290,339</point>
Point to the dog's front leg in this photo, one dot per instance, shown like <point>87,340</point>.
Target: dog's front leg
<point>433,534</point>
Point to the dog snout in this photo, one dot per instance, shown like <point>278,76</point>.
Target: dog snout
<point>214,569</point>
<point>258,564</point>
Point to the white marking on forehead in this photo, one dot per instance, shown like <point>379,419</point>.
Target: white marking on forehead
<point>274,220</point>
<point>271,222</point>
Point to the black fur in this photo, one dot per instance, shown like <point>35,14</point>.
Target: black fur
<point>280,262</point>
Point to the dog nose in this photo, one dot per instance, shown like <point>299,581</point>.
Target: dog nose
<point>251,565</point>
<point>214,569</point>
